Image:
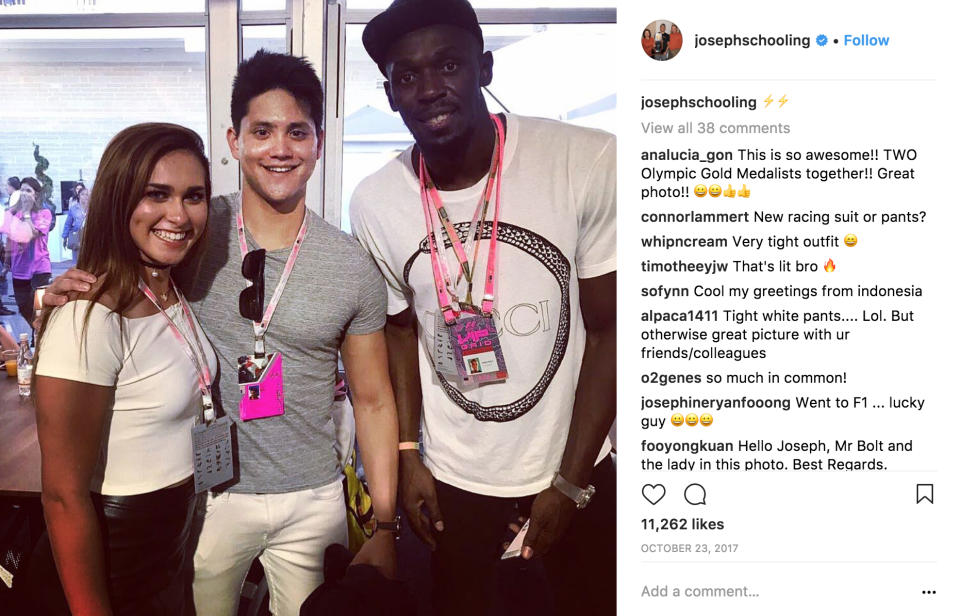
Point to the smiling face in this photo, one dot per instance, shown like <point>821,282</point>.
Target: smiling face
<point>278,147</point>
<point>434,79</point>
<point>172,213</point>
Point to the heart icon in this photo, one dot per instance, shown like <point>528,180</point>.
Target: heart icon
<point>654,493</point>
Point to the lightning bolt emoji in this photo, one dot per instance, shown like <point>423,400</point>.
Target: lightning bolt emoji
<point>782,101</point>
<point>768,100</point>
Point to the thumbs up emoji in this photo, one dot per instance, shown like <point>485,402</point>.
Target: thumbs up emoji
<point>744,192</point>
<point>730,192</point>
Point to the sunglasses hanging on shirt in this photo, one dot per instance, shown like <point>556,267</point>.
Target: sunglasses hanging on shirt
<point>251,298</point>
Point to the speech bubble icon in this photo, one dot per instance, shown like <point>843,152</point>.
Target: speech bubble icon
<point>695,494</point>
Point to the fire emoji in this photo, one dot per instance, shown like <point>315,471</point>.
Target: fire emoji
<point>829,266</point>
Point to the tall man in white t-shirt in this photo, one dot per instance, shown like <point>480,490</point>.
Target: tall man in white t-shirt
<point>535,442</point>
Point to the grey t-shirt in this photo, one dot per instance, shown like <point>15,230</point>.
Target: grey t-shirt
<point>335,289</point>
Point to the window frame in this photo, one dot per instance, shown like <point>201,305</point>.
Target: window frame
<point>223,22</point>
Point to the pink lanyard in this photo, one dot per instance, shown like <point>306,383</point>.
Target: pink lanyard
<point>199,363</point>
<point>259,329</point>
<point>441,278</point>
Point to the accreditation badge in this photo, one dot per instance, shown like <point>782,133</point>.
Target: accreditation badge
<point>261,386</point>
<point>476,347</point>
<point>212,454</point>
<point>444,357</point>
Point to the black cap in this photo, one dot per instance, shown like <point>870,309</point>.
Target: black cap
<point>405,16</point>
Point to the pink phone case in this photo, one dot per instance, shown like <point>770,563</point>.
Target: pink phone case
<point>264,397</point>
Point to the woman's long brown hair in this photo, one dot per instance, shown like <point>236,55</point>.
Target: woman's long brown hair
<point>108,249</point>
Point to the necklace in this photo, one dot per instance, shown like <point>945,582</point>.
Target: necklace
<point>156,267</point>
<point>164,294</point>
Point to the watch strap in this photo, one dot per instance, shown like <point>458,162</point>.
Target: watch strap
<point>392,526</point>
<point>580,496</point>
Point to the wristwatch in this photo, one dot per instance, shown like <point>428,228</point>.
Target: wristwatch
<point>392,526</point>
<point>580,496</point>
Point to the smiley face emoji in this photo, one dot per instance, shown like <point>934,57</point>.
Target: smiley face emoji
<point>700,190</point>
<point>677,419</point>
<point>850,240</point>
<point>706,419</point>
<point>715,190</point>
<point>692,419</point>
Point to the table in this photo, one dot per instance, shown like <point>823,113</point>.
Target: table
<point>19,449</point>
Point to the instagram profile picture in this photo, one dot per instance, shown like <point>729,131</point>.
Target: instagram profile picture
<point>662,40</point>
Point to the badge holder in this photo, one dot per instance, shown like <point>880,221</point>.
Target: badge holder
<point>476,347</point>
<point>261,386</point>
<point>212,450</point>
<point>444,357</point>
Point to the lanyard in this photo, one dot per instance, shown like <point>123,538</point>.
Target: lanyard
<point>199,363</point>
<point>446,297</point>
<point>259,329</point>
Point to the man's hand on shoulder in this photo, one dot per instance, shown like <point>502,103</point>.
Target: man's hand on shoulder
<point>67,286</point>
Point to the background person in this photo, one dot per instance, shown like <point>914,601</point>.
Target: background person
<point>74,197</point>
<point>661,43</point>
<point>76,217</point>
<point>647,42</point>
<point>676,41</point>
<point>116,390</point>
<point>7,342</point>
<point>10,187</point>
<point>27,225</point>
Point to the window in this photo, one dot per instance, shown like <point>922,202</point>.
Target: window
<point>263,5</point>
<point>78,7</point>
<point>271,38</point>
<point>499,4</point>
<point>68,92</point>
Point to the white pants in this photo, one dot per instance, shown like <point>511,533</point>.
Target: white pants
<point>289,532</point>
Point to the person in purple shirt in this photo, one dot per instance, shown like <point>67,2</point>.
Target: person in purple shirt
<point>27,225</point>
<point>12,190</point>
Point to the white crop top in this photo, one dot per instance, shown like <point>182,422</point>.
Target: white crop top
<point>147,443</point>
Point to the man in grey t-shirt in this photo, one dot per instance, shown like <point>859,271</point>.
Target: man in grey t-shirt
<point>287,504</point>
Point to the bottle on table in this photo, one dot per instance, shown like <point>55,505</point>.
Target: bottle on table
<point>24,366</point>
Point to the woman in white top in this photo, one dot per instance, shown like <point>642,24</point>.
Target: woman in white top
<point>117,390</point>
